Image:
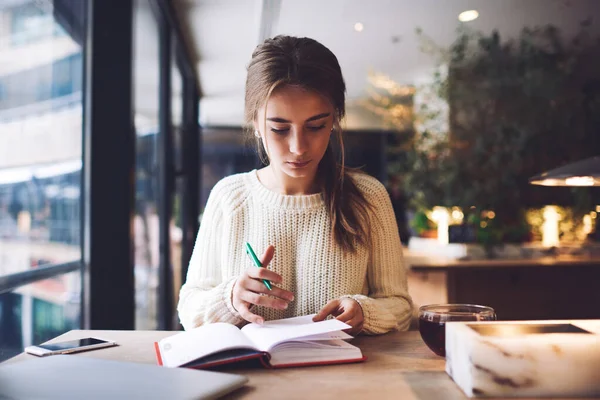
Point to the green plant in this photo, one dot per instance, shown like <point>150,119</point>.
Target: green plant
<point>421,223</point>
<point>515,107</point>
<point>518,107</point>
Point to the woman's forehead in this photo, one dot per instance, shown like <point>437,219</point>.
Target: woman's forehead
<point>295,103</point>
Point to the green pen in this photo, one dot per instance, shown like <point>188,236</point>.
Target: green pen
<point>251,254</point>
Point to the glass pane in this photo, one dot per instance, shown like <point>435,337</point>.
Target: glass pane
<point>146,86</point>
<point>225,151</point>
<point>38,312</point>
<point>41,72</point>
<point>40,136</point>
<point>177,131</point>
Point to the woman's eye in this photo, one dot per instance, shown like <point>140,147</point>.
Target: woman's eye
<point>316,128</point>
<point>282,130</point>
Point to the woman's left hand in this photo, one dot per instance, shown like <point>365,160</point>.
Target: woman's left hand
<point>346,310</point>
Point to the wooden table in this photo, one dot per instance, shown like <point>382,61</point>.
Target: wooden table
<point>399,366</point>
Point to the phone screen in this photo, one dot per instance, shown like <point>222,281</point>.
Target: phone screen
<point>71,344</point>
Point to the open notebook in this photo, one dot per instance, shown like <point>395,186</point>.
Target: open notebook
<point>281,343</point>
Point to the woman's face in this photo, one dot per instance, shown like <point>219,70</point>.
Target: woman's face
<point>296,131</point>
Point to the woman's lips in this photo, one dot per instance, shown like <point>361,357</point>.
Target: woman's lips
<point>298,164</point>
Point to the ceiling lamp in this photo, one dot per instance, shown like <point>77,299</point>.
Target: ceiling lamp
<point>467,16</point>
<point>580,173</point>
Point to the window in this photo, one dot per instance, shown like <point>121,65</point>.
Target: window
<point>40,169</point>
<point>146,224</point>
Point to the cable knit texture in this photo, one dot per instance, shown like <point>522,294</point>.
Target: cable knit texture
<point>240,209</point>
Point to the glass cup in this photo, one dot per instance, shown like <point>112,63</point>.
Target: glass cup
<point>433,317</point>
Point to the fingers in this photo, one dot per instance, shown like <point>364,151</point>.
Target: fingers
<point>259,287</point>
<point>245,313</point>
<point>352,315</point>
<point>354,318</point>
<point>253,292</point>
<point>264,273</point>
<point>329,308</point>
<point>347,315</point>
<point>351,310</point>
<point>346,310</point>
<point>356,323</point>
<point>261,300</point>
<point>267,255</point>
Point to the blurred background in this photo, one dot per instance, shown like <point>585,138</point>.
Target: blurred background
<point>117,117</point>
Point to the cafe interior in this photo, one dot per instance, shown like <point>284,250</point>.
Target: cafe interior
<point>480,117</point>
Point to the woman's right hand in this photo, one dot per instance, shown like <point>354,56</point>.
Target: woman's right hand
<point>249,289</point>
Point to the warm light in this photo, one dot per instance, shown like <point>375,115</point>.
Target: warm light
<point>467,16</point>
<point>441,216</point>
<point>457,214</point>
<point>483,224</point>
<point>597,208</point>
<point>491,215</point>
<point>358,27</point>
<point>549,182</point>
<point>593,214</point>
<point>587,224</point>
<point>550,237</point>
<point>580,181</point>
<point>383,81</point>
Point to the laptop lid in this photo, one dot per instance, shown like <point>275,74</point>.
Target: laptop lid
<point>77,377</point>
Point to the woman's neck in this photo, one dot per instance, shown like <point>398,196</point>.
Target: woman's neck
<point>282,183</point>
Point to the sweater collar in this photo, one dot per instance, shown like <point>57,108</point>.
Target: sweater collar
<point>270,197</point>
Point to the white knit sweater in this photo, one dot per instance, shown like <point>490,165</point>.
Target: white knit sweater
<point>240,209</point>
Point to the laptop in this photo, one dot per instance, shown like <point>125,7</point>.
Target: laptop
<point>77,377</point>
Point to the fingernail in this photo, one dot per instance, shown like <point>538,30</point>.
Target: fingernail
<point>260,321</point>
<point>292,298</point>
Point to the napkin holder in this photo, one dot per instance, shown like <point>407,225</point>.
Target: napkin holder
<point>555,358</point>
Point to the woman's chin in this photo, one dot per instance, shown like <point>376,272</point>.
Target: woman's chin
<point>299,172</point>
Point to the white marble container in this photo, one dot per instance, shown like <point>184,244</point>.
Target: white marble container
<point>525,358</point>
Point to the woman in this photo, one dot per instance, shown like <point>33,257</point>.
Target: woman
<point>329,235</point>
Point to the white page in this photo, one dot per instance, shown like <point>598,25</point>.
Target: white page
<point>188,346</point>
<point>313,352</point>
<point>272,332</point>
<point>329,336</point>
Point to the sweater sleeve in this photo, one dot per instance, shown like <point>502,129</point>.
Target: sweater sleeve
<point>388,305</point>
<point>206,295</point>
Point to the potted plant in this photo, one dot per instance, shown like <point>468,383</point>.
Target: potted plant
<point>514,107</point>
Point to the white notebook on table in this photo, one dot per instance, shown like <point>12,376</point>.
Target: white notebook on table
<point>281,343</point>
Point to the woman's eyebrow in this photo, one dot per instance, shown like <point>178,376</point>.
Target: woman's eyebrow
<point>318,116</point>
<point>313,118</point>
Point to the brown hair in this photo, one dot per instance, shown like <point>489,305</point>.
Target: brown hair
<point>304,62</point>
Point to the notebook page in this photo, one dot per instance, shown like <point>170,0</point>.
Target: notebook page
<point>313,352</point>
<point>190,345</point>
<point>328,336</point>
<point>273,332</point>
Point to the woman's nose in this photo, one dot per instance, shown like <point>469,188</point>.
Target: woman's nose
<point>298,142</point>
